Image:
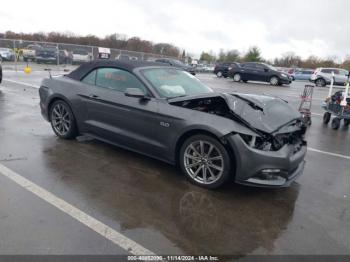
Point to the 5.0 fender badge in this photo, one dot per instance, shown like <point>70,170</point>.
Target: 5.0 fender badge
<point>165,124</point>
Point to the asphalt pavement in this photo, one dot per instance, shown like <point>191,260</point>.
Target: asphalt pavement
<point>149,204</point>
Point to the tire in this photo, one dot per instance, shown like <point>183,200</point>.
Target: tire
<point>219,74</point>
<point>62,120</point>
<point>335,123</point>
<point>274,81</point>
<point>237,77</point>
<point>326,118</point>
<point>320,82</point>
<point>346,122</point>
<point>206,171</point>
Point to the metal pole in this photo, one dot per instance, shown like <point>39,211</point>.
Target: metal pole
<point>346,94</point>
<point>58,55</point>
<point>331,86</point>
<point>92,53</point>
<point>14,48</point>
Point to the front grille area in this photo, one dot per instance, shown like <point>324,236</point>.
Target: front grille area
<point>295,139</point>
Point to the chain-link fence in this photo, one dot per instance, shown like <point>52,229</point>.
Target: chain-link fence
<point>16,54</point>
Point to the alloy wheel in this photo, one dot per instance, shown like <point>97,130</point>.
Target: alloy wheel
<point>61,120</point>
<point>274,81</point>
<point>237,77</point>
<point>320,82</point>
<point>203,162</point>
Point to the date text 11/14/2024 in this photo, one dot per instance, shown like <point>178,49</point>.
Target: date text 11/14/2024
<point>172,258</point>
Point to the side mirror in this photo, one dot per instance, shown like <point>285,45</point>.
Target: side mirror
<point>266,69</point>
<point>134,92</point>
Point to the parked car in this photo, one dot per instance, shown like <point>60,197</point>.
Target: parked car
<point>302,74</point>
<point>163,112</point>
<point>46,55</point>
<point>7,54</point>
<point>178,64</point>
<point>29,53</point>
<point>209,68</point>
<point>80,56</point>
<point>323,76</point>
<point>222,69</point>
<point>262,72</point>
<point>124,57</point>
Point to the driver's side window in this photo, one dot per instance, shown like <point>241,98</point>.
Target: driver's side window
<point>114,79</point>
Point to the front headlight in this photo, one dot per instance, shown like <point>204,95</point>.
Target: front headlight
<point>257,142</point>
<point>284,75</point>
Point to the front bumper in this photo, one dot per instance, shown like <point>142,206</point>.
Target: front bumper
<point>285,81</point>
<point>7,57</point>
<point>251,164</point>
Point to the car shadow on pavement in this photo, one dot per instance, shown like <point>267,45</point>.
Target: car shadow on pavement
<point>139,193</point>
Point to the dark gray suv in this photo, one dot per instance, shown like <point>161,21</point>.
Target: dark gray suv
<point>262,72</point>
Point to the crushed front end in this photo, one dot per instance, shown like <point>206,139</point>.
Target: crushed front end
<point>269,161</point>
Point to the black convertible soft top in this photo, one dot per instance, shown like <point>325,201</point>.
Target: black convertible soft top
<point>85,68</point>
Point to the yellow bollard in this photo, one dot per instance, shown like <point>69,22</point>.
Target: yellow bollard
<point>27,70</point>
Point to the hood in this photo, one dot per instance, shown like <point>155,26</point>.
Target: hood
<point>264,113</point>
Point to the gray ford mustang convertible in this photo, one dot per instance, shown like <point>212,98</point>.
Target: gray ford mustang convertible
<point>166,113</point>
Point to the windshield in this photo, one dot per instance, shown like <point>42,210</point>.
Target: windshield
<point>171,82</point>
<point>271,67</point>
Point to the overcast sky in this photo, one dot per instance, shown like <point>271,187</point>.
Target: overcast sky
<point>319,27</point>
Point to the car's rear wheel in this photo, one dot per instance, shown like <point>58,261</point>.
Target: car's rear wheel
<point>62,120</point>
<point>274,81</point>
<point>237,77</point>
<point>320,82</point>
<point>326,118</point>
<point>219,74</point>
<point>205,161</point>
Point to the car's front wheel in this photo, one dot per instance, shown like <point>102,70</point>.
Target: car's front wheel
<point>320,82</point>
<point>62,120</point>
<point>274,80</point>
<point>219,74</point>
<point>237,77</point>
<point>205,161</point>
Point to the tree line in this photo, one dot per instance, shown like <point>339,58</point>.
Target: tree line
<point>289,59</point>
<point>117,41</point>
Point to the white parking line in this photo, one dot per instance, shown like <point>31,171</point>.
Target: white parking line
<point>94,224</point>
<point>21,83</point>
<point>327,153</point>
